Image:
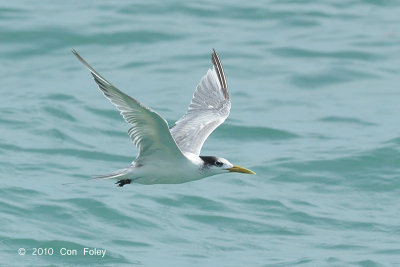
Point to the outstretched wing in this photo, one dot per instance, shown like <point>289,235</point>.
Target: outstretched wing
<point>209,108</point>
<point>149,130</point>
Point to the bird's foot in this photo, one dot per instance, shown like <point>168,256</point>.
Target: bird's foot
<point>123,182</point>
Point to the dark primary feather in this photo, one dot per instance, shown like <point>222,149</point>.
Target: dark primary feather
<point>220,72</point>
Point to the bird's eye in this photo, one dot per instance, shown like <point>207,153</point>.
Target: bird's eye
<point>218,164</point>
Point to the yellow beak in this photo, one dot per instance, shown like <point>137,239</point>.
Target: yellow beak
<point>240,169</point>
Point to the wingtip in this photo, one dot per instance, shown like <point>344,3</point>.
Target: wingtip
<point>78,56</point>
<point>214,54</point>
<point>220,72</point>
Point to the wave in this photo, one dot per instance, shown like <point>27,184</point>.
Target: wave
<point>69,152</point>
<point>349,120</point>
<point>372,170</point>
<point>249,133</point>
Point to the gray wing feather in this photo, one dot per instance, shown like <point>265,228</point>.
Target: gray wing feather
<point>208,109</point>
<point>149,130</point>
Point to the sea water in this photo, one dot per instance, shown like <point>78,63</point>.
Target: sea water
<point>315,112</point>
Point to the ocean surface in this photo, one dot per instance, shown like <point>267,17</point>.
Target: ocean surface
<point>315,112</point>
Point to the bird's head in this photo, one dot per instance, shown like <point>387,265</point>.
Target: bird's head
<point>218,165</point>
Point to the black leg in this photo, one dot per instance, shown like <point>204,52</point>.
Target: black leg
<point>123,182</point>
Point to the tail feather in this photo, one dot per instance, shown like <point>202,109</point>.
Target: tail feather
<point>119,174</point>
<point>115,175</point>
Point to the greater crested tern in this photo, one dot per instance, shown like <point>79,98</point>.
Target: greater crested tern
<point>172,155</point>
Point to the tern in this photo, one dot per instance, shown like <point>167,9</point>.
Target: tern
<point>171,155</point>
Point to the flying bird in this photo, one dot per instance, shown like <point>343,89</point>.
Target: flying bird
<point>172,155</point>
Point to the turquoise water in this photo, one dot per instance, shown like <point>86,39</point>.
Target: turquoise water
<point>315,112</point>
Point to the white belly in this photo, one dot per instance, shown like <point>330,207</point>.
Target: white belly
<point>166,173</point>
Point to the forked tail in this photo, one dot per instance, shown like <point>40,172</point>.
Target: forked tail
<point>119,174</point>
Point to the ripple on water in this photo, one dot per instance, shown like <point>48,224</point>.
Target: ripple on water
<point>58,37</point>
<point>371,170</point>
<point>349,120</point>
<point>69,152</point>
<point>191,201</point>
<point>251,133</point>
<point>298,52</point>
<point>59,113</point>
<point>240,225</point>
<point>329,77</point>
<point>100,211</point>
<point>62,98</point>
<point>60,136</point>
